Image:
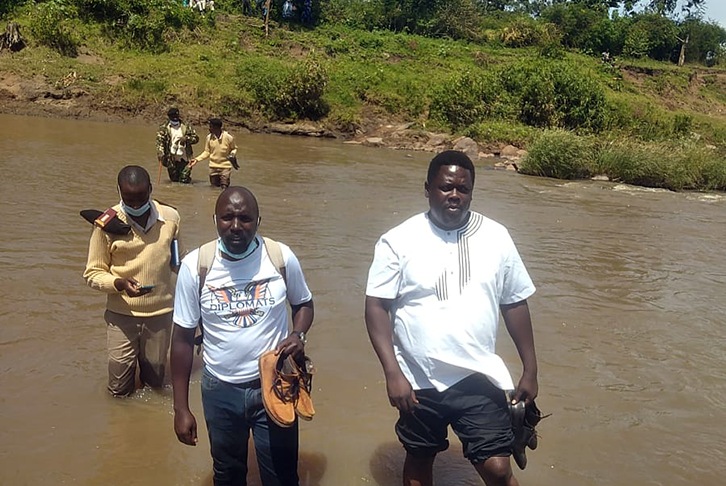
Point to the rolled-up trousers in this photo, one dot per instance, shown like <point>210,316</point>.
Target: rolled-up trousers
<point>132,340</point>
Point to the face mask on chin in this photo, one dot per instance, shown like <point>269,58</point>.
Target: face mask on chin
<point>174,123</point>
<point>238,256</point>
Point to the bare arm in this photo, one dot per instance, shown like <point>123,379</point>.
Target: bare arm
<point>380,330</point>
<point>519,324</point>
<point>302,320</point>
<point>182,354</point>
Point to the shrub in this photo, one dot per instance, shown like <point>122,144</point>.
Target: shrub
<point>637,164</point>
<point>50,25</point>
<point>286,92</point>
<point>580,26</point>
<point>524,31</point>
<point>501,131</point>
<point>682,123</point>
<point>665,165</point>
<point>142,24</point>
<point>713,173</point>
<point>556,94</point>
<point>466,99</point>
<point>651,35</point>
<point>560,154</point>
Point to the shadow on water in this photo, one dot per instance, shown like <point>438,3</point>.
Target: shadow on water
<point>450,467</point>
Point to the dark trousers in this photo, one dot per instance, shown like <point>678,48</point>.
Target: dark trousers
<point>231,411</point>
<point>179,172</point>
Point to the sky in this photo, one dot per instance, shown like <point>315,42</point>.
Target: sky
<point>716,10</point>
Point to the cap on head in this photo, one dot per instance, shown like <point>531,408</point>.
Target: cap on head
<point>173,112</point>
<point>450,157</point>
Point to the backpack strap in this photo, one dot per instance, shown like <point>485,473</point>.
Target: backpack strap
<point>207,253</point>
<point>205,260</point>
<point>275,253</point>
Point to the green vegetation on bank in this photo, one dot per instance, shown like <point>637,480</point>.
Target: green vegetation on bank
<point>505,78</point>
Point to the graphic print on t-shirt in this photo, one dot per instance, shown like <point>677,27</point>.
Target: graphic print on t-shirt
<point>242,307</point>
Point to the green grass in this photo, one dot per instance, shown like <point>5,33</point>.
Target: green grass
<point>669,165</point>
<point>512,95</point>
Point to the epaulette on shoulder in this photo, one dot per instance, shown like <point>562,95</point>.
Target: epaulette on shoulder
<point>108,221</point>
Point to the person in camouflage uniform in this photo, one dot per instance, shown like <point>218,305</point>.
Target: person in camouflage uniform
<point>174,142</point>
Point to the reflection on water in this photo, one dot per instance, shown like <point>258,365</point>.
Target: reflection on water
<point>628,315</point>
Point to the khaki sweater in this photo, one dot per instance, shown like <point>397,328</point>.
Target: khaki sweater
<point>217,150</point>
<point>143,256</point>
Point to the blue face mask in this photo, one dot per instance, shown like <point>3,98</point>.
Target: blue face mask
<point>238,256</point>
<point>135,212</point>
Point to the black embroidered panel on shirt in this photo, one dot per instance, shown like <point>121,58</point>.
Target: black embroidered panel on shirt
<point>462,240</point>
<point>442,289</point>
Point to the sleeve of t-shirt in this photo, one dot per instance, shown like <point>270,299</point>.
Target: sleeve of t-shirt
<point>518,285</point>
<point>186,297</point>
<point>297,289</point>
<point>384,276</point>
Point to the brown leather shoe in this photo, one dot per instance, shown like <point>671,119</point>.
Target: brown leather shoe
<point>304,406</point>
<point>280,382</point>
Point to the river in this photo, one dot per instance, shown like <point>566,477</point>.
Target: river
<point>628,317</point>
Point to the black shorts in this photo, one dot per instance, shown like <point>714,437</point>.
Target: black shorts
<point>477,412</point>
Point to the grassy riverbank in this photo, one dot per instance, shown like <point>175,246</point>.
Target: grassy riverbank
<point>640,122</point>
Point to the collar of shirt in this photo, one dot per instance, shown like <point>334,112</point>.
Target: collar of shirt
<point>154,216</point>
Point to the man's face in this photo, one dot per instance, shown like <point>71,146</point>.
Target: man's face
<point>215,130</point>
<point>174,117</point>
<point>449,195</point>
<point>135,196</point>
<point>237,220</point>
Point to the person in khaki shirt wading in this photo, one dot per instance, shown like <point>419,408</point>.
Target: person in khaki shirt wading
<point>221,151</point>
<point>134,270</point>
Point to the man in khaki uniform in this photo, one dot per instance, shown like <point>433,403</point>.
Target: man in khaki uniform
<point>221,151</point>
<point>134,270</point>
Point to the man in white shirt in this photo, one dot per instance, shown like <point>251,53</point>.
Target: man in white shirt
<point>434,292</point>
<point>243,307</point>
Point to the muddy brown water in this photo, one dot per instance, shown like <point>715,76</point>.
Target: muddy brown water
<point>629,315</point>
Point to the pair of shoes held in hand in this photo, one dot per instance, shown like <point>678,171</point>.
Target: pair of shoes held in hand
<point>524,419</point>
<point>286,387</point>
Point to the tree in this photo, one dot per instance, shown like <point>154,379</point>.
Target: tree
<point>668,7</point>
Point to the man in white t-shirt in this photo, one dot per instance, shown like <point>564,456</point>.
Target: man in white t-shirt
<point>435,289</point>
<point>243,307</point>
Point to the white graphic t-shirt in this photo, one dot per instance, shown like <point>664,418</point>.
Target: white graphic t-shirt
<point>243,307</point>
<point>446,288</point>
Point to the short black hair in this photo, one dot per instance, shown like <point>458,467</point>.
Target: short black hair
<point>215,122</point>
<point>133,175</point>
<point>450,157</point>
<point>172,112</point>
<point>240,190</point>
